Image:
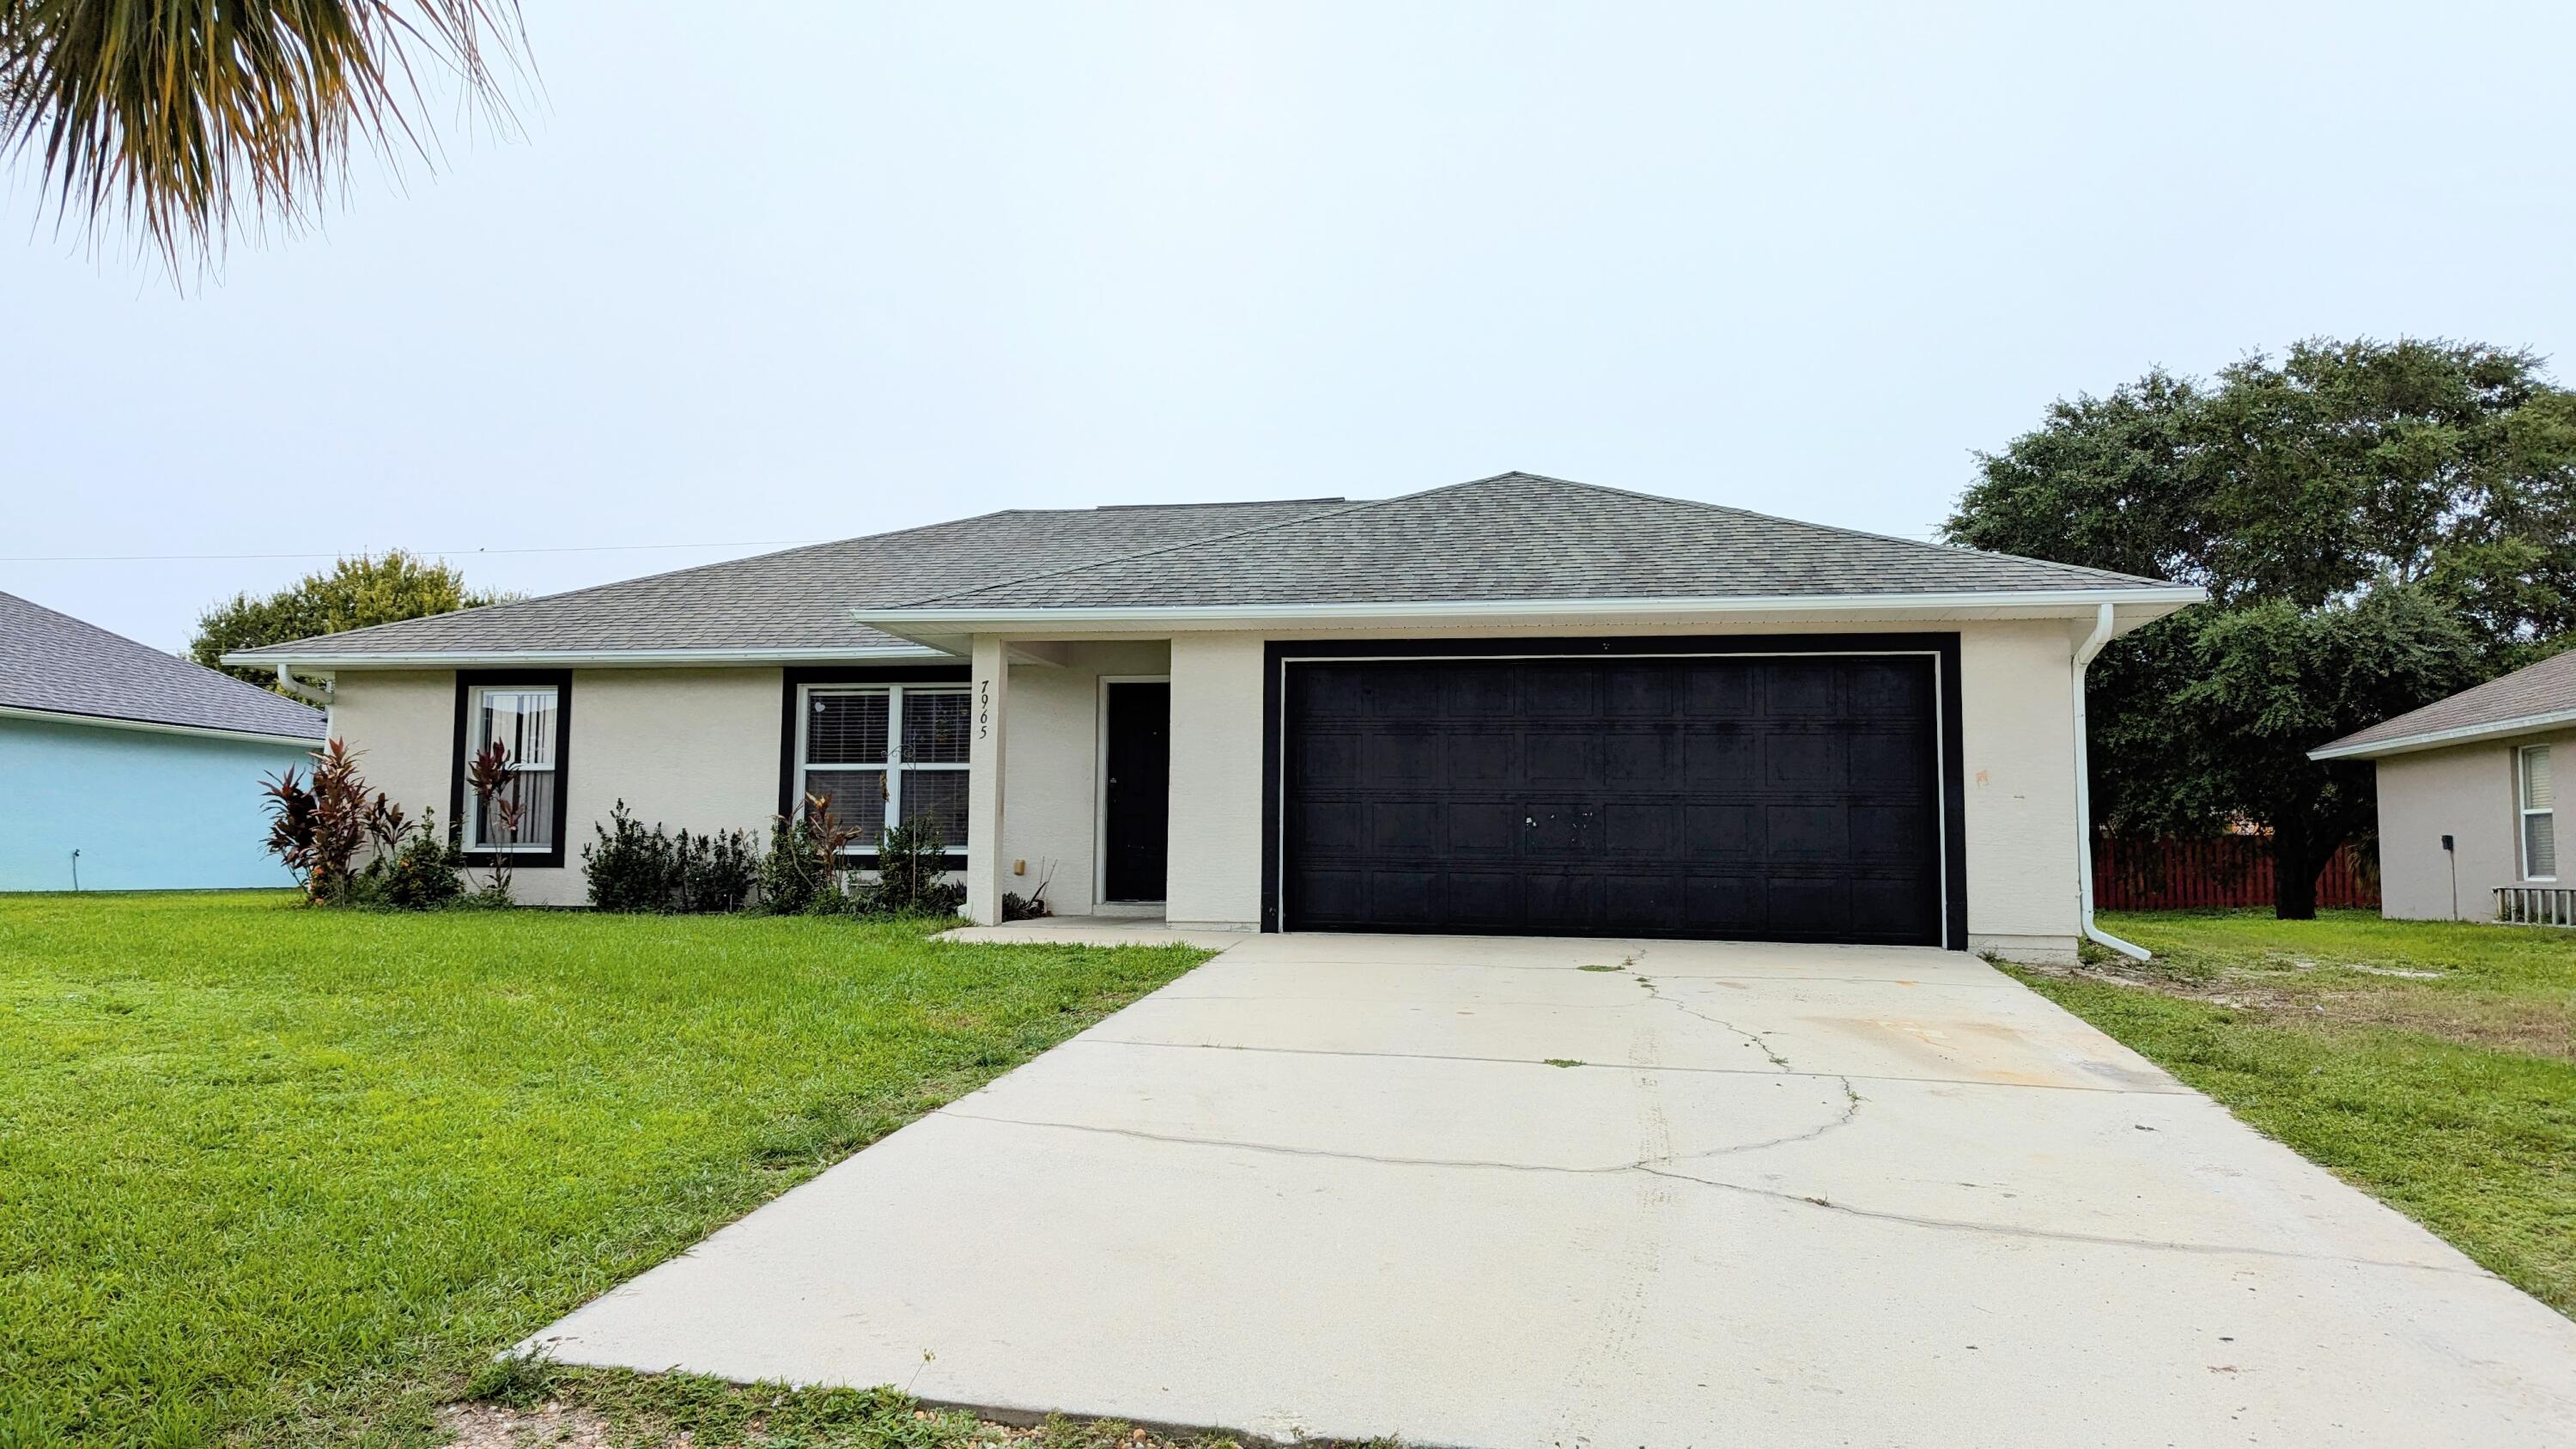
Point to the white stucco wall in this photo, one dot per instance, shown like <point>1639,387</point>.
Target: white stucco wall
<point>2467,793</point>
<point>1216,780</point>
<point>1051,772</point>
<point>2017,756</point>
<point>687,748</point>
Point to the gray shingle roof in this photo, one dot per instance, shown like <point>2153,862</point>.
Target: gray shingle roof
<point>57,664</point>
<point>2534,693</point>
<point>1518,536</point>
<point>800,599</point>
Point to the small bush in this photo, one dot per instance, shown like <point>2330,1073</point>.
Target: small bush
<point>912,873</point>
<point>629,868</point>
<point>716,871</point>
<point>633,869</point>
<point>424,874</point>
<point>801,874</point>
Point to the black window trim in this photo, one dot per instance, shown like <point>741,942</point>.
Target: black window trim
<point>469,680</point>
<point>792,685</point>
<point>1943,645</point>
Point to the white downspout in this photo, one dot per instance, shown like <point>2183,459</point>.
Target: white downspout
<point>2084,653</point>
<point>305,691</point>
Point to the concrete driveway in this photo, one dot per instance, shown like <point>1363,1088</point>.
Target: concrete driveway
<point>1469,1192</point>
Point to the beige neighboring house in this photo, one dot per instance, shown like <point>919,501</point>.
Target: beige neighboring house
<point>1513,705</point>
<point>2468,819</point>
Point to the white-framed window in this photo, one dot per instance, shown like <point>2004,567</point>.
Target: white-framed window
<point>886,753</point>
<point>2536,797</point>
<point>524,719</point>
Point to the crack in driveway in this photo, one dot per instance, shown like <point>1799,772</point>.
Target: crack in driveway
<point>1656,1167</point>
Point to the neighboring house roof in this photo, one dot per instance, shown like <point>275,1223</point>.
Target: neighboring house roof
<point>54,664</point>
<point>2537,697</point>
<point>1521,537</point>
<point>789,604</point>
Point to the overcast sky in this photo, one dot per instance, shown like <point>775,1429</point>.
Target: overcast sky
<point>776,272</point>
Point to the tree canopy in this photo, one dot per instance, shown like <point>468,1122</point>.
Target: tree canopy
<point>2378,524</point>
<point>351,594</point>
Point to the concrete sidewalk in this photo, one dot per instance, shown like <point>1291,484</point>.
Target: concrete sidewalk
<point>1463,1191</point>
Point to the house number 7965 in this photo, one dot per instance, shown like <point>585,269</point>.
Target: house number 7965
<point>983,709</point>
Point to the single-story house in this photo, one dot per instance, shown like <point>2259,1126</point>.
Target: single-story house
<point>2468,822</point>
<point>124,768</point>
<point>1512,705</point>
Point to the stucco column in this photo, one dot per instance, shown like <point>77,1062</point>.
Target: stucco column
<point>1215,874</point>
<point>992,682</point>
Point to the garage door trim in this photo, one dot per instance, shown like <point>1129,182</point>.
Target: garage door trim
<point>1941,647</point>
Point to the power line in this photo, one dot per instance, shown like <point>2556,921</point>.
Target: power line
<point>424,552</point>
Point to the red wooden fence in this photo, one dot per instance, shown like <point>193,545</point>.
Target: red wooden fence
<point>2232,870</point>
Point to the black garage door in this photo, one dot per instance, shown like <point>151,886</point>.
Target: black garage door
<point>1754,798</point>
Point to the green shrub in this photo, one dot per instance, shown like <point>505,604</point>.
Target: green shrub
<point>714,872</point>
<point>424,874</point>
<point>912,873</point>
<point>630,868</point>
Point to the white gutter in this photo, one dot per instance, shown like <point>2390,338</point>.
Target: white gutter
<point>149,726</point>
<point>478,658</point>
<point>319,696</point>
<point>2084,653</point>
<point>2051,601</point>
<point>2456,735</point>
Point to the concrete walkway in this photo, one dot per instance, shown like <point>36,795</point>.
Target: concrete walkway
<point>1463,1191</point>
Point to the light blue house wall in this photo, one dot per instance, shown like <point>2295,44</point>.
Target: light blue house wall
<point>147,810</point>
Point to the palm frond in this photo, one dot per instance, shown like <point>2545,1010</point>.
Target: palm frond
<point>186,118</point>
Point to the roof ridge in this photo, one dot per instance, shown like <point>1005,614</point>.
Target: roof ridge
<point>1729,508</point>
<point>1360,506</point>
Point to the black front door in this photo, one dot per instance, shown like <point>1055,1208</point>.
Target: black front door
<point>1136,815</point>
<point>1743,797</point>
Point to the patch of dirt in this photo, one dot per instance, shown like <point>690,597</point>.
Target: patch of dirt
<point>563,1426</point>
<point>2534,1026</point>
<point>548,1426</point>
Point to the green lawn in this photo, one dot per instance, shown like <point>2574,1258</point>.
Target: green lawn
<point>2431,1063</point>
<point>277,1175</point>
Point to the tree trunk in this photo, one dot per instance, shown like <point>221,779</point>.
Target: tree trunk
<point>2294,873</point>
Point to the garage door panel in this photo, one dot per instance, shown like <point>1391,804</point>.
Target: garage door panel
<point>1482,829</point>
<point>1717,689</point>
<point>1634,756</point>
<point>1494,897</point>
<point>1325,757</point>
<point>1722,905</point>
<point>1807,907</point>
<point>1802,689</point>
<point>1883,909</point>
<point>1559,691</point>
<point>1396,759</point>
<point>1316,827</point>
<point>1481,757</point>
<point>1891,835</point>
<point>1563,901</point>
<point>1806,834</point>
<point>1721,832</point>
<point>1480,691</point>
<point>1752,796</point>
<point>1637,830</point>
<point>1640,691</point>
<point>1720,758</point>
<point>1896,763</point>
<point>1802,763</point>
<point>1405,897</point>
<point>1404,827</point>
